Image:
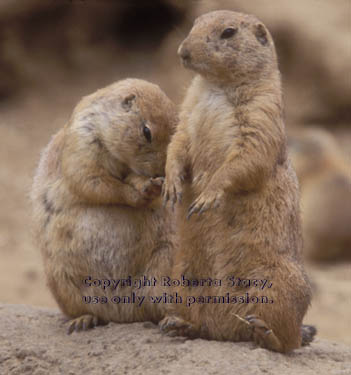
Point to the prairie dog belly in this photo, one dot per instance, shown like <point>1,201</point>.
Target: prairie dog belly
<point>106,235</point>
<point>213,130</point>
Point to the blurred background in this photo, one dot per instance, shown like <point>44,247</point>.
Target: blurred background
<point>52,52</point>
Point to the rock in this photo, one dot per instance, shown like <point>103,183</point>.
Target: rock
<point>34,341</point>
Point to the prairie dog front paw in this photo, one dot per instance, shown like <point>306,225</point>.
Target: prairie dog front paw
<point>205,201</point>
<point>152,188</point>
<point>173,187</point>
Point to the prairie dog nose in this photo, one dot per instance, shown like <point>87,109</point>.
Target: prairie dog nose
<point>184,53</point>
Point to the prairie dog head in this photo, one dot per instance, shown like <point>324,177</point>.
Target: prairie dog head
<point>314,151</point>
<point>131,121</point>
<point>228,46</point>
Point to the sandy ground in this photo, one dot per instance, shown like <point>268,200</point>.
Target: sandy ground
<point>26,347</point>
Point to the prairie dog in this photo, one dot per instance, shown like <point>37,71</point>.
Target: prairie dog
<point>228,172</point>
<point>325,179</point>
<point>96,202</point>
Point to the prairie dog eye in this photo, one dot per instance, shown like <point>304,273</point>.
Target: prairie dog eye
<point>147,133</point>
<point>229,32</point>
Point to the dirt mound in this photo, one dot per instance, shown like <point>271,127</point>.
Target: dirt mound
<point>42,38</point>
<point>34,341</point>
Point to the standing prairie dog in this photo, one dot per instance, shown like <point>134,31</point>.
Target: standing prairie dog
<point>227,171</point>
<point>95,197</point>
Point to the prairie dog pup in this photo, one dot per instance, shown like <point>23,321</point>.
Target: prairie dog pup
<point>227,167</point>
<point>95,207</point>
<point>325,179</point>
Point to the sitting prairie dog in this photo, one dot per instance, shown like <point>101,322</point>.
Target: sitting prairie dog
<point>96,208</point>
<point>325,179</point>
<point>227,171</point>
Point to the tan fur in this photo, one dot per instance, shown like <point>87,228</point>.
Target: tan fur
<point>228,158</point>
<point>93,198</point>
<point>325,180</point>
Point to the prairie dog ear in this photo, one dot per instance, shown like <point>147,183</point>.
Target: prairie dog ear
<point>261,34</point>
<point>128,101</point>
